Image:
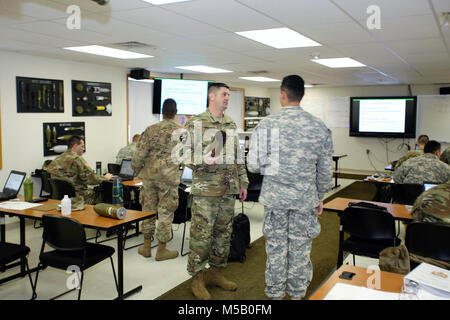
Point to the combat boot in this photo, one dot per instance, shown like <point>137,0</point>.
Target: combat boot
<point>198,287</point>
<point>163,254</point>
<point>216,278</point>
<point>146,249</point>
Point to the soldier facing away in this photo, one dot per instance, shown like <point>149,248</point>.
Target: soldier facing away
<point>160,178</point>
<point>293,150</point>
<point>214,187</point>
<point>127,152</point>
<point>72,167</point>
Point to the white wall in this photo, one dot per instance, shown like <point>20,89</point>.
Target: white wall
<point>355,147</point>
<point>22,136</point>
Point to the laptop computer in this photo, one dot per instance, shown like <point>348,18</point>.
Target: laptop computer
<point>428,185</point>
<point>126,171</point>
<point>186,177</point>
<point>12,185</point>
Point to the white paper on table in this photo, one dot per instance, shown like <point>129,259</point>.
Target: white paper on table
<point>431,278</point>
<point>343,291</point>
<point>18,205</point>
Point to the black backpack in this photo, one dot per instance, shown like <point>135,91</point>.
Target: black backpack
<point>240,238</point>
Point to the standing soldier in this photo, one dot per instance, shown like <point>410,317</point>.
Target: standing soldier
<point>214,186</point>
<point>160,178</point>
<point>293,150</point>
<point>72,167</point>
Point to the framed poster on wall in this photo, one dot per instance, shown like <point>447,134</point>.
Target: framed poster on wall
<point>57,134</point>
<point>91,98</point>
<point>39,95</point>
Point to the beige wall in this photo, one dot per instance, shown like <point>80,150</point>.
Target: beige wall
<point>21,134</point>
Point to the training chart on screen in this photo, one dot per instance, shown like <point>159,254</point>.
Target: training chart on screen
<point>190,95</point>
<point>382,115</point>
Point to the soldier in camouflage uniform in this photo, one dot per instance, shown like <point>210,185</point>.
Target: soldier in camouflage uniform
<point>445,156</point>
<point>293,150</point>
<point>216,181</point>
<point>127,152</point>
<point>425,168</point>
<point>160,179</point>
<point>433,206</point>
<point>71,166</point>
<point>421,142</point>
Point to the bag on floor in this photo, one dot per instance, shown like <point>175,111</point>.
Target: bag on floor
<point>240,238</point>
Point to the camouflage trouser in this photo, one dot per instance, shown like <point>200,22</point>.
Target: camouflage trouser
<point>163,199</point>
<point>289,235</point>
<point>89,196</point>
<point>210,234</point>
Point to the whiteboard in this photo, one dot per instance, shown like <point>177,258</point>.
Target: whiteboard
<point>236,107</point>
<point>433,117</point>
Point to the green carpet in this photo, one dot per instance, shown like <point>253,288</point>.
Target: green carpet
<point>250,275</point>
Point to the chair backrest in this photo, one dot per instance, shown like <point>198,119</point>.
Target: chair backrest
<point>182,213</point>
<point>61,188</point>
<point>114,168</point>
<point>430,240</point>
<point>63,233</point>
<point>368,223</point>
<point>406,193</point>
<point>106,190</point>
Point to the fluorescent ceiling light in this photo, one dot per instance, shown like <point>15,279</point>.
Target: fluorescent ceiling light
<point>339,62</point>
<point>109,52</point>
<point>279,38</point>
<point>204,69</point>
<point>159,2</point>
<point>259,79</point>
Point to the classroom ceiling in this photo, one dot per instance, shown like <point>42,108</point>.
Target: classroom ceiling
<point>411,45</point>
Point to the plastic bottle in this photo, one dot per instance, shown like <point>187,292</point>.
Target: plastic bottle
<point>117,193</point>
<point>66,206</point>
<point>28,189</point>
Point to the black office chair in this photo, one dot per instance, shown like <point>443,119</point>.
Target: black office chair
<point>114,168</point>
<point>182,215</point>
<point>371,230</point>
<point>61,188</point>
<point>426,239</point>
<point>406,193</point>
<point>9,253</point>
<point>68,238</point>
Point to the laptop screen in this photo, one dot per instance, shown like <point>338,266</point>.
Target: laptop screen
<point>428,185</point>
<point>126,169</point>
<point>14,181</point>
<point>187,174</point>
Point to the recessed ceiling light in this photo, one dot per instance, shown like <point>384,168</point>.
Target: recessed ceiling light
<point>109,52</point>
<point>159,2</point>
<point>204,69</point>
<point>259,79</point>
<point>279,38</point>
<point>339,62</point>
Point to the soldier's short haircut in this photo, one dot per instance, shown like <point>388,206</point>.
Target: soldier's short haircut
<point>432,146</point>
<point>294,86</point>
<point>73,140</point>
<point>169,108</point>
<point>423,139</point>
<point>214,86</point>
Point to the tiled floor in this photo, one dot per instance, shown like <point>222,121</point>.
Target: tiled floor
<point>155,277</point>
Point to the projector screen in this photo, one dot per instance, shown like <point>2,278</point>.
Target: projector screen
<point>191,96</point>
<point>383,116</point>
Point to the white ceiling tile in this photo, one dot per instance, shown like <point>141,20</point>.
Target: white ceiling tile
<point>39,9</point>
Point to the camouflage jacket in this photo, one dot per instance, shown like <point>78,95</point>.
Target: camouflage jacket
<point>126,153</point>
<point>433,205</point>
<point>219,179</point>
<point>152,159</point>
<point>445,156</point>
<point>73,168</point>
<point>426,167</point>
<point>297,161</point>
<point>407,156</point>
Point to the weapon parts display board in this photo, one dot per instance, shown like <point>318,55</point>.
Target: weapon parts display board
<point>91,98</point>
<point>39,95</point>
<point>56,135</point>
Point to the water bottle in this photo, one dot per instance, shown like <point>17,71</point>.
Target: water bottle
<point>66,206</point>
<point>117,194</point>
<point>28,189</point>
<point>98,168</point>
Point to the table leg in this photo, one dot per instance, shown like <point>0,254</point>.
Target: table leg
<point>122,295</point>
<point>336,174</point>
